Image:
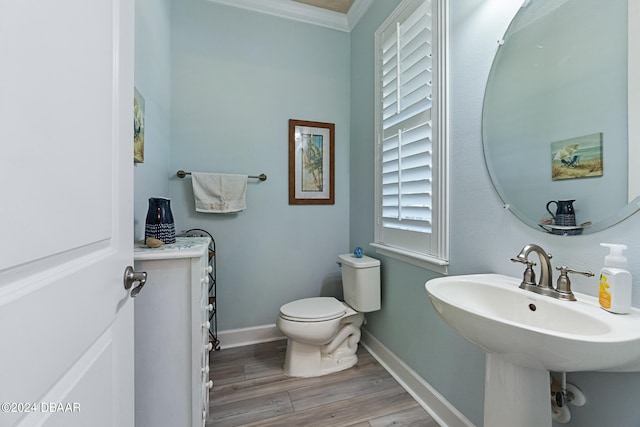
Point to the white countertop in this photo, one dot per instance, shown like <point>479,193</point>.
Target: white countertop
<point>184,247</point>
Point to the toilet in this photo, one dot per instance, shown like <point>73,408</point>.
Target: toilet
<point>323,332</point>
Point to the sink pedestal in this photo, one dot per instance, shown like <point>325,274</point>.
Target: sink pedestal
<point>515,395</point>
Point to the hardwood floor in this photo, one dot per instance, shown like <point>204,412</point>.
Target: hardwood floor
<point>251,389</point>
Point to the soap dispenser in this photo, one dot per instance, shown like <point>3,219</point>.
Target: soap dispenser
<point>615,281</point>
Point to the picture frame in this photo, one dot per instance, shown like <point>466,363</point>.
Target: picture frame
<point>138,127</point>
<point>579,157</point>
<point>311,163</point>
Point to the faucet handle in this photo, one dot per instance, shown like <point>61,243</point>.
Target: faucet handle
<point>523,261</point>
<point>564,284</point>
<point>529,277</point>
<point>564,270</point>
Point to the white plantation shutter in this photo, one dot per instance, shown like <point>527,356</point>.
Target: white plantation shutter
<point>406,179</point>
<point>407,156</point>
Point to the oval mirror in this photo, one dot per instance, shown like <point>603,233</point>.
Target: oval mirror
<point>555,116</point>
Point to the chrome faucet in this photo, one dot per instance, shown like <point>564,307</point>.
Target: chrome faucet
<point>544,287</point>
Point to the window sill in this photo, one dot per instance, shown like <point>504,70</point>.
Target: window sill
<point>419,260</point>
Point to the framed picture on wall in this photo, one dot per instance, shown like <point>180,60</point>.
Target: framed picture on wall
<point>311,163</point>
<point>138,127</point>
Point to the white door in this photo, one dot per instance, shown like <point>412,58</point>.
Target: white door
<point>66,321</point>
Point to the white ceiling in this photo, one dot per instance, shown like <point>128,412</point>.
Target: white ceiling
<point>315,12</point>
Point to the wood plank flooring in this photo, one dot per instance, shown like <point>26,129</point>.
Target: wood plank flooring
<point>251,389</point>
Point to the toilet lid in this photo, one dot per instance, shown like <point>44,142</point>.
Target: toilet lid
<point>314,309</point>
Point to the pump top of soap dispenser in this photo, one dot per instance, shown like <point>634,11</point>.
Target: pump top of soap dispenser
<point>615,258</point>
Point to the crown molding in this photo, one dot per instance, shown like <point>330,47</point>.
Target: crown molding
<point>304,13</point>
<point>357,11</point>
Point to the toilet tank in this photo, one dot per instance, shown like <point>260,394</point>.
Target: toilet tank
<point>361,282</point>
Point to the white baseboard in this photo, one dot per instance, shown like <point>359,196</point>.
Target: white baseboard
<point>433,402</point>
<point>248,336</point>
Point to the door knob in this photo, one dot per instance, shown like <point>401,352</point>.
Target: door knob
<point>131,276</point>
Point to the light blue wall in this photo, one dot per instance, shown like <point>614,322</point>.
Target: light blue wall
<point>484,236</point>
<point>406,324</point>
<point>153,81</point>
<point>237,78</point>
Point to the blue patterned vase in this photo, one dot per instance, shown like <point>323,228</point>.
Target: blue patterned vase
<point>159,223</point>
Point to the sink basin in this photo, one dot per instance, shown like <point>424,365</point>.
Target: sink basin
<point>526,335</point>
<point>537,331</point>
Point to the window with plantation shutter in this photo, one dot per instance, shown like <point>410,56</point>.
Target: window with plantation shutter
<point>411,145</point>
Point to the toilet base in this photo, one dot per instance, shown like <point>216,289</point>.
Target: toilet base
<point>305,360</point>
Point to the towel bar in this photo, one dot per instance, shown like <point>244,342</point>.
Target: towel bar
<point>261,177</point>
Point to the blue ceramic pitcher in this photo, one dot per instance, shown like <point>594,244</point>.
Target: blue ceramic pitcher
<point>159,223</point>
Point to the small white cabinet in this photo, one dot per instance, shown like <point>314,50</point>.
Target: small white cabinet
<point>172,335</point>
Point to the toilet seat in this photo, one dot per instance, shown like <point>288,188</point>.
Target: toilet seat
<point>318,309</point>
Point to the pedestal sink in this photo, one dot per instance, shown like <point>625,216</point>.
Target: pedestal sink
<point>526,335</point>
